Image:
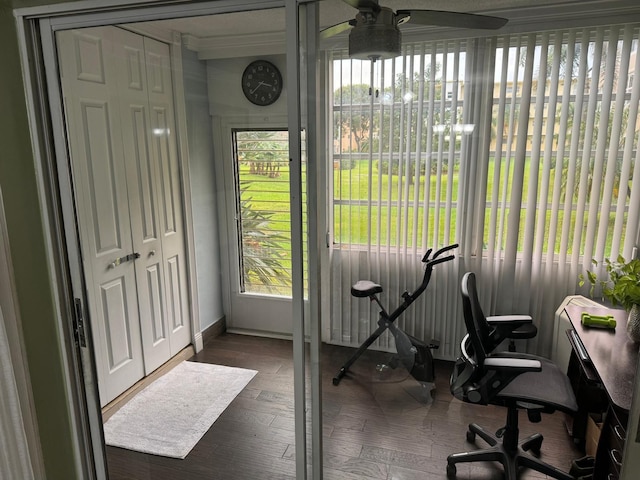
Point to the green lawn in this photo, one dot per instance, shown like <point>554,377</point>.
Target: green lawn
<point>352,220</point>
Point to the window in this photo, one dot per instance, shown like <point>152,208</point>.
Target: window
<point>398,147</point>
<point>558,145</point>
<point>563,152</point>
<point>263,210</point>
<point>521,148</point>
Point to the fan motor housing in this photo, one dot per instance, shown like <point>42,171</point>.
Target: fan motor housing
<point>375,40</point>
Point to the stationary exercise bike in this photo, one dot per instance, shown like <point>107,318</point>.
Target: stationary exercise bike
<point>414,354</point>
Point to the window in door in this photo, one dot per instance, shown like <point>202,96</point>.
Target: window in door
<point>263,218</point>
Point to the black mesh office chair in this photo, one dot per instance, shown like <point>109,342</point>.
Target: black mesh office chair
<point>513,380</point>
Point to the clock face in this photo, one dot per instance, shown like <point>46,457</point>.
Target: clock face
<point>262,82</point>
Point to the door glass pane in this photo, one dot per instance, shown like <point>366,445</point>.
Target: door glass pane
<point>263,218</point>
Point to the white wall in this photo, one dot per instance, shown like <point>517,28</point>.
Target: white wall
<point>203,190</point>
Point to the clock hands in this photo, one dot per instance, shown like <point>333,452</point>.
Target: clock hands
<point>260,84</point>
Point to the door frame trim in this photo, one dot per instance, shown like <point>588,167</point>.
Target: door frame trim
<point>222,129</point>
<point>62,250</point>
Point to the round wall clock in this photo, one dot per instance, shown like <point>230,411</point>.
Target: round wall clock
<point>262,82</point>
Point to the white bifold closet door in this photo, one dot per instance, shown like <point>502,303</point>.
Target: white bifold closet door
<point>122,140</point>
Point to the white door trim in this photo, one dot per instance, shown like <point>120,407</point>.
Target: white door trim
<point>63,266</point>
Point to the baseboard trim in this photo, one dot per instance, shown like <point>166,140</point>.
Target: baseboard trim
<point>215,330</point>
<point>260,333</point>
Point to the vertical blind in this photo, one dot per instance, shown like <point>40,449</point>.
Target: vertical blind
<point>522,148</point>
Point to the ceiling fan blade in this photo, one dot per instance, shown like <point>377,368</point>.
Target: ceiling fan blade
<point>452,19</point>
<point>372,4</point>
<point>335,29</point>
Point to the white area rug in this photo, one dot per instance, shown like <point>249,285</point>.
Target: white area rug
<point>169,416</point>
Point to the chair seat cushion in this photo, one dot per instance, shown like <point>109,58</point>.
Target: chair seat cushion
<point>549,387</point>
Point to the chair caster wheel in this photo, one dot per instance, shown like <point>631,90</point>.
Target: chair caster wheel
<point>534,444</point>
<point>471,436</point>
<point>451,470</point>
<point>535,447</point>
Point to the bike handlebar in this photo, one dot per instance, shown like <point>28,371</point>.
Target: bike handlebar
<point>409,298</point>
<point>426,259</point>
<point>445,249</point>
<point>426,255</point>
<point>436,261</point>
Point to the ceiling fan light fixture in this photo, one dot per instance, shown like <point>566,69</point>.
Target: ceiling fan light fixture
<point>375,42</point>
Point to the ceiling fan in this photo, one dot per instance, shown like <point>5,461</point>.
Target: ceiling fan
<point>375,34</point>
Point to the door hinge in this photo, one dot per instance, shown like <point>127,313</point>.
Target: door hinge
<point>78,327</point>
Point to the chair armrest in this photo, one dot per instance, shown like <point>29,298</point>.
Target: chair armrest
<point>513,365</point>
<point>512,326</point>
<point>499,320</point>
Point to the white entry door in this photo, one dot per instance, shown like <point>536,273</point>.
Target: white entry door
<point>125,169</point>
<point>257,170</point>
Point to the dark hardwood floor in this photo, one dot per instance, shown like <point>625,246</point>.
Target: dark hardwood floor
<point>377,425</point>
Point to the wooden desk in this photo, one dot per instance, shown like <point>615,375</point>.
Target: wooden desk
<point>602,361</point>
<point>613,357</point>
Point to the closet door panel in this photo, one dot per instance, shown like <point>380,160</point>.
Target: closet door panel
<point>118,321</point>
<point>100,186</point>
<point>103,174</point>
<point>144,204</point>
<point>165,153</point>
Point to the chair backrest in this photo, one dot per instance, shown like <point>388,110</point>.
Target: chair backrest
<point>474,319</point>
<point>468,370</point>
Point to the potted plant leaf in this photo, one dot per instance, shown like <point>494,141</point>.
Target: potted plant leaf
<point>621,287</point>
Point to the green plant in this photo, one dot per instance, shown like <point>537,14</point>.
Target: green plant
<point>622,285</point>
<point>262,250</point>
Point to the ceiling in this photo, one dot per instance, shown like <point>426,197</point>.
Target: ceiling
<point>229,28</point>
<point>331,12</point>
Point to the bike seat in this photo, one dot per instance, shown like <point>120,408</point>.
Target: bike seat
<point>365,288</point>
